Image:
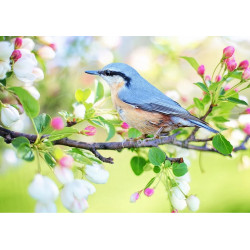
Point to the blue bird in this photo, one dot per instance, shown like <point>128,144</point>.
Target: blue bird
<point>142,105</point>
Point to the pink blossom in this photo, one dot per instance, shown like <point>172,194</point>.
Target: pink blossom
<point>228,51</point>
<point>247,129</point>
<point>236,90</point>
<point>16,54</point>
<point>53,46</point>
<point>18,42</point>
<point>218,78</point>
<point>134,197</point>
<point>125,125</point>
<point>246,74</point>
<point>57,123</point>
<point>207,78</point>
<point>90,131</point>
<point>248,110</point>
<point>227,87</point>
<point>201,70</point>
<point>174,211</point>
<point>243,65</point>
<point>66,161</point>
<point>149,192</point>
<point>231,65</point>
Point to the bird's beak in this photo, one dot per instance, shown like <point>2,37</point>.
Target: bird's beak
<point>92,72</point>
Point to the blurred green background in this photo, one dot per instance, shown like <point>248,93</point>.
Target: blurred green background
<point>224,183</point>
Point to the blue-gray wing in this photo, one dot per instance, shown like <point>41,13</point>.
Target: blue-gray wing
<point>145,96</point>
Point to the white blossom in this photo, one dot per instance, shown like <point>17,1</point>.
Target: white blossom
<point>46,53</point>
<point>38,73</point>
<point>74,195</point>
<point>193,203</point>
<point>23,67</point>
<point>96,173</point>
<point>178,204</point>
<point>28,44</point>
<point>6,50</point>
<point>79,111</point>
<point>9,115</point>
<point>33,91</point>
<point>64,175</point>
<point>236,137</point>
<point>231,123</point>
<point>4,68</point>
<point>181,190</point>
<point>244,119</point>
<point>186,177</point>
<point>45,207</point>
<point>43,189</point>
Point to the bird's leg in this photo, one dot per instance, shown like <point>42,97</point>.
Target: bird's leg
<point>157,134</point>
<point>165,134</point>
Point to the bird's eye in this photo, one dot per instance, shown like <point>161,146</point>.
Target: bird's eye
<point>107,72</point>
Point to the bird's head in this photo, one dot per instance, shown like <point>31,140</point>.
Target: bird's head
<point>116,73</point>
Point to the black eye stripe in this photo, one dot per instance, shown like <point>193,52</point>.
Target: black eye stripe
<point>116,73</point>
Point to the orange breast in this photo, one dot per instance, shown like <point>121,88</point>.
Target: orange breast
<point>145,121</point>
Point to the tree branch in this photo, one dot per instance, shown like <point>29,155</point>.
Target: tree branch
<point>9,136</point>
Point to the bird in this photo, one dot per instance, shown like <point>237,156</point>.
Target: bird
<point>141,105</point>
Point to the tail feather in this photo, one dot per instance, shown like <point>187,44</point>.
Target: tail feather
<point>202,124</point>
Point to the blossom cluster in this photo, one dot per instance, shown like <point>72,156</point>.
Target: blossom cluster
<point>74,193</point>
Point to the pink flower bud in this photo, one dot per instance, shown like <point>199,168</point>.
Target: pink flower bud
<point>125,125</point>
<point>247,129</point>
<point>236,90</point>
<point>243,65</point>
<point>231,65</point>
<point>66,161</point>
<point>90,131</point>
<point>218,78</point>
<point>246,74</point>
<point>227,87</point>
<point>53,46</point>
<point>228,51</point>
<point>16,54</point>
<point>207,78</point>
<point>134,197</point>
<point>201,70</point>
<point>248,110</point>
<point>174,211</point>
<point>57,123</point>
<point>149,192</point>
<point>18,42</point>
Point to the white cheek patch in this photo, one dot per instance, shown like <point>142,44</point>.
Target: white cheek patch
<point>113,79</point>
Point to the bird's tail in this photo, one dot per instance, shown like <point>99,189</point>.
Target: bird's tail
<point>203,124</point>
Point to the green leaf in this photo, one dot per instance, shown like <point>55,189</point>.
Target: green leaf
<point>137,163</point>
<point>202,86</point>
<point>156,156</point>
<point>206,99</point>
<point>191,61</point>
<point>222,144</point>
<point>220,119</point>
<point>20,140</point>
<point>25,152</point>
<point>198,104</point>
<point>150,183</point>
<point>134,133</point>
<point>167,164</point>
<point>3,82</point>
<point>59,134</point>
<point>82,95</point>
<point>30,104</point>
<point>234,74</point>
<point>42,122</point>
<point>235,100</point>
<point>179,169</point>
<point>109,127</point>
<point>79,157</point>
<point>99,93</point>
<point>157,169</point>
<point>49,159</point>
